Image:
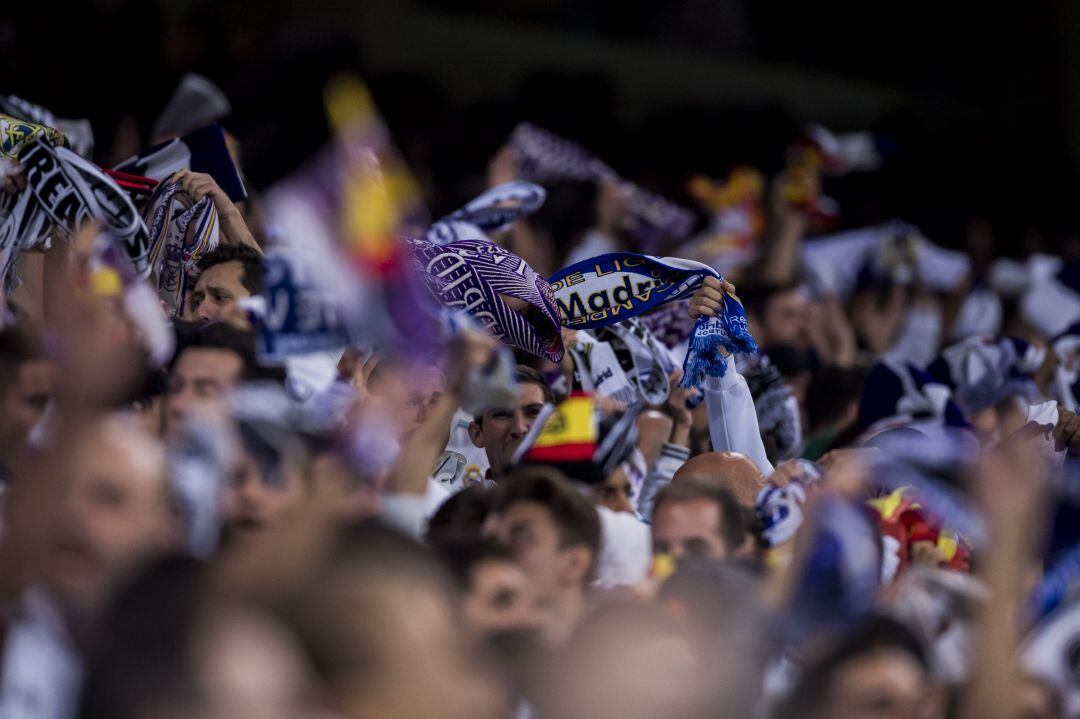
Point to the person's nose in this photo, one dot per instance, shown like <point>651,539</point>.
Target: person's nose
<point>207,312</point>
<point>521,425</point>
<point>178,404</point>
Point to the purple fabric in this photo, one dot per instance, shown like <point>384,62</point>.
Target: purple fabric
<point>470,275</point>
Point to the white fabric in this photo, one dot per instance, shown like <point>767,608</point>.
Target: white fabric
<point>980,314</point>
<point>920,337</point>
<point>410,513</point>
<point>625,549</point>
<point>733,424</point>
<point>311,374</point>
<point>1047,654</point>
<point>42,672</point>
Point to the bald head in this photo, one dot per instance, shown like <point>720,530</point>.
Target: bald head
<point>732,471</point>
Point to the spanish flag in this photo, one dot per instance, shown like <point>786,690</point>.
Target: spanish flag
<point>570,433</point>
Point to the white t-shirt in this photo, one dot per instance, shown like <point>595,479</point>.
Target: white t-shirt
<point>41,673</point>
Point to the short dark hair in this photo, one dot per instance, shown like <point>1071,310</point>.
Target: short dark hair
<point>19,344</point>
<point>812,692</point>
<point>252,261</point>
<point>523,374</point>
<point>733,527</point>
<point>830,392</point>
<point>573,514</point>
<point>223,336</point>
<point>461,516</point>
<point>461,556</point>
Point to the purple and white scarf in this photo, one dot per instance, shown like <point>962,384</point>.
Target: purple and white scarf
<point>474,275</point>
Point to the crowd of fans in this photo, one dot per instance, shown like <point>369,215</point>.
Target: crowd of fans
<point>258,459</point>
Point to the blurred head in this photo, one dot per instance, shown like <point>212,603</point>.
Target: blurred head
<point>269,482</point>
<point>117,513</point>
<point>407,391</point>
<point>878,671</point>
<point>779,313</point>
<point>551,529</point>
<point>228,274</point>
<point>499,431</point>
<point>462,516</point>
<point>26,385</point>
<point>208,363</point>
<point>629,661</point>
<point>496,597</point>
<point>696,518</point>
<point>379,623</point>
<point>167,651</point>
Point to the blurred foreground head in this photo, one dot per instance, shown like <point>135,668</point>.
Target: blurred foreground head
<point>378,620</point>
<point>117,513</point>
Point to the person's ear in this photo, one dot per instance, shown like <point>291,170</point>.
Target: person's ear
<point>576,563</point>
<point>476,434</point>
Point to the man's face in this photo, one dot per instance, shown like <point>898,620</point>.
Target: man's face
<point>407,395</point>
<point>887,684</point>
<point>114,516</point>
<point>615,493</point>
<point>198,381</point>
<point>24,401</point>
<point>688,528</point>
<point>529,531</point>
<point>254,501</point>
<point>499,598</point>
<point>216,294</point>
<point>502,429</point>
<point>785,319</point>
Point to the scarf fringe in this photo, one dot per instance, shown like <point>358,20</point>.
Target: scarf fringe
<point>703,356</point>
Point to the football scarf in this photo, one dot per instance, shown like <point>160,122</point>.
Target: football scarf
<point>473,276</point>
<point>492,211</point>
<point>181,232</point>
<point>71,190</point>
<point>610,288</point>
<point>16,135</point>
<point>647,362</point>
<point>546,157</point>
<point>203,150</point>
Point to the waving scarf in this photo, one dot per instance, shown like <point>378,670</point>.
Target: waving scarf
<point>475,275</point>
<point>203,150</point>
<point>546,157</point>
<point>619,285</point>
<point>492,211</point>
<point>71,190</point>
<point>78,134</point>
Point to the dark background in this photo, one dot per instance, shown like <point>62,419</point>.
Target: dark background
<point>978,105</point>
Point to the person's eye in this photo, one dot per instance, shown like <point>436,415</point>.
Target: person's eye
<point>501,414</point>
<point>532,412</point>
<point>220,297</point>
<point>504,599</point>
<point>520,537</point>
<point>697,547</point>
